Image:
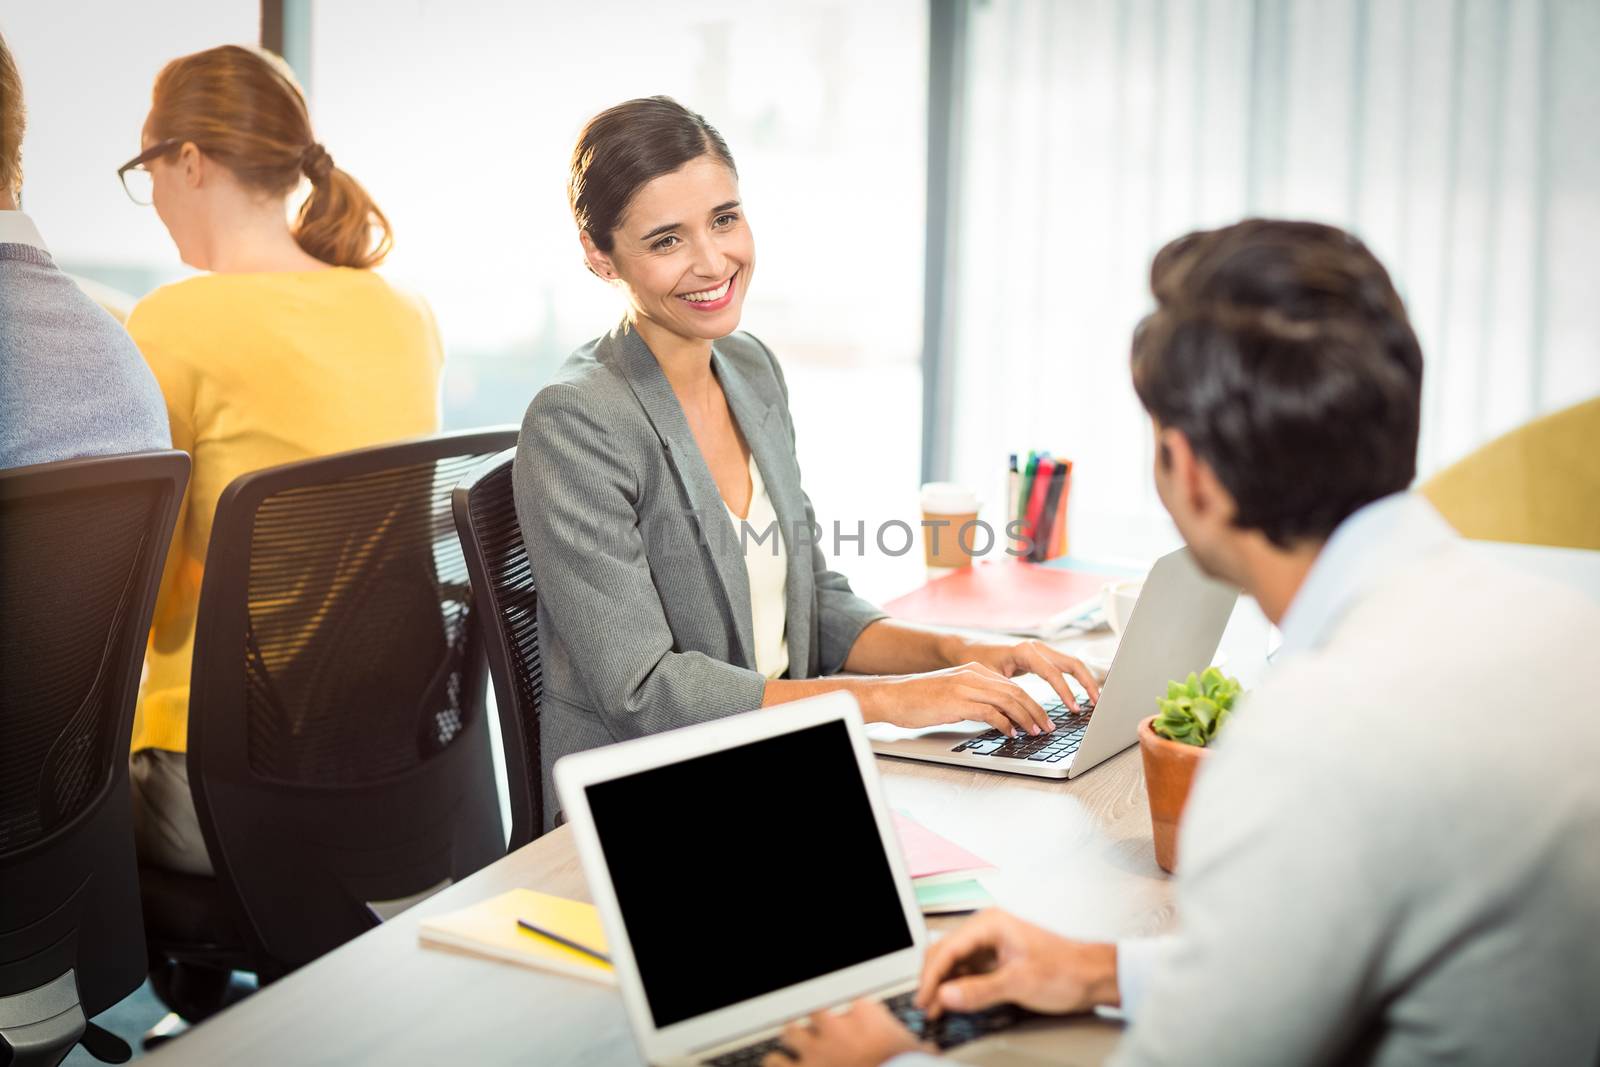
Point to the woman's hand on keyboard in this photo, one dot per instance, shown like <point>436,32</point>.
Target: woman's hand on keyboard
<point>971,691</point>
<point>996,958</point>
<point>865,1035</point>
<point>1035,657</point>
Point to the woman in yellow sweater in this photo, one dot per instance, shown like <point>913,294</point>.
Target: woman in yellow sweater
<point>289,347</point>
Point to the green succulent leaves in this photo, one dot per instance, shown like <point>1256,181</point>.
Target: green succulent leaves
<point>1195,709</point>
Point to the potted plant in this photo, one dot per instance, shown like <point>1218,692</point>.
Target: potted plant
<point>1173,744</point>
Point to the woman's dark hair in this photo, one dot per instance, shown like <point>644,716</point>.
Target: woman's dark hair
<point>1283,353</point>
<point>623,148</point>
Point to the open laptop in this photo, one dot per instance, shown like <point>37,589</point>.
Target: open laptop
<point>1175,628</point>
<point>747,874</point>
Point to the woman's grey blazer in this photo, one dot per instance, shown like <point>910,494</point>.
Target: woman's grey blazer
<point>644,599</point>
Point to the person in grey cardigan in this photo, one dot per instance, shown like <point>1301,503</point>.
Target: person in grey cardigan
<point>675,552</point>
<point>1392,857</point>
<point>72,382</point>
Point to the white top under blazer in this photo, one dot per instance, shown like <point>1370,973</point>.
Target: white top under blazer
<point>768,567</point>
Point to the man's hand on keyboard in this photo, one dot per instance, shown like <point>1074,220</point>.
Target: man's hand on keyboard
<point>996,958</point>
<point>1035,657</point>
<point>863,1036</point>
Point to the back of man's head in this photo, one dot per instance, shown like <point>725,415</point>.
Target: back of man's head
<point>1283,354</point>
<point>13,119</point>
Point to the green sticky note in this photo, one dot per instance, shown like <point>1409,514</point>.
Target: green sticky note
<point>953,896</point>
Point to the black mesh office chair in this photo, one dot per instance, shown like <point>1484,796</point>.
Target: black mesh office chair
<point>338,755</point>
<point>491,540</point>
<point>82,544</point>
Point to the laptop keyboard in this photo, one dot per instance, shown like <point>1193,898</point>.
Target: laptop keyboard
<point>1054,747</point>
<point>947,1031</point>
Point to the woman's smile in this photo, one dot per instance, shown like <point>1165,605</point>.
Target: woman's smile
<point>713,299</point>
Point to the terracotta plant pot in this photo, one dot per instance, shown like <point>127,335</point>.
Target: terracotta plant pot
<point>1169,768</point>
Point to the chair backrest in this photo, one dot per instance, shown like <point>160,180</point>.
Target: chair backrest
<point>337,751</point>
<point>82,544</point>
<point>491,540</point>
<point>1538,484</point>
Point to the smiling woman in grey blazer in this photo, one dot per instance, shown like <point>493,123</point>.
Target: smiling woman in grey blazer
<point>660,499</point>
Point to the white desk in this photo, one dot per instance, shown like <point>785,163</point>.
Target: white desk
<point>1075,856</point>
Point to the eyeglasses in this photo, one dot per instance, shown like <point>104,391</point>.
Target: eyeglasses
<point>135,176</point>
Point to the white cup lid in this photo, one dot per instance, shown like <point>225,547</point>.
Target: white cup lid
<point>948,498</point>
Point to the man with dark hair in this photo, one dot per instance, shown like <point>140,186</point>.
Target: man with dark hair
<point>72,382</point>
<point>1391,858</point>
<point>1279,350</point>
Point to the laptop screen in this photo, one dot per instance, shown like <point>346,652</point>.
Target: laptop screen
<point>748,870</point>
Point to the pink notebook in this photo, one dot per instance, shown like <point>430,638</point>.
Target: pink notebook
<point>1006,596</point>
<point>930,858</point>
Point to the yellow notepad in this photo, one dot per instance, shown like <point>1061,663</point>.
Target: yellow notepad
<point>490,929</point>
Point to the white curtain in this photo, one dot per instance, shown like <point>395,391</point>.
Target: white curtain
<point>1459,138</point>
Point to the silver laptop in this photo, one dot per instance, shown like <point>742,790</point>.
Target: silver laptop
<point>747,874</point>
<point>1175,628</point>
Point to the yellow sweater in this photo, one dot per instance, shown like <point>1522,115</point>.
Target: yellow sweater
<point>258,370</point>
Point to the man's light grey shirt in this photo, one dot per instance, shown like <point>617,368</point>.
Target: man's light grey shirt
<point>72,382</point>
<point>1393,856</point>
<point>1365,549</point>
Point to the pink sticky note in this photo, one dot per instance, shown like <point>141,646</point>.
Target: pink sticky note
<point>928,855</point>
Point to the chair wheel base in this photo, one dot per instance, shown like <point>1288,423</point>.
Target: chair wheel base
<point>103,1045</point>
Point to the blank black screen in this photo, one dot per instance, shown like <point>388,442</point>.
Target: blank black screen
<point>748,870</point>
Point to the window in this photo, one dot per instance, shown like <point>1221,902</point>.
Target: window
<point>1456,140</point>
<point>82,126</point>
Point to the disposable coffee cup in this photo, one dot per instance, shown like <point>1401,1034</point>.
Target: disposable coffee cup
<point>949,525</point>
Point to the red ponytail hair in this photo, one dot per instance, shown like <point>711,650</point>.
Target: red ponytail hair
<point>242,108</point>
